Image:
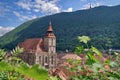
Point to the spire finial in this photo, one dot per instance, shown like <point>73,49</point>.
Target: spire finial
<point>50,23</point>
<point>90,5</point>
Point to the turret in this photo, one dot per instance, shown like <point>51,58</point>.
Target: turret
<point>50,40</point>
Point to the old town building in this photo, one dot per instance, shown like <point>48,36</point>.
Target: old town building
<point>40,51</point>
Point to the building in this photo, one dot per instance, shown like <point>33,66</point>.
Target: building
<point>40,51</point>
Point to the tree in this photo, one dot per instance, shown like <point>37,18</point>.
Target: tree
<point>13,68</point>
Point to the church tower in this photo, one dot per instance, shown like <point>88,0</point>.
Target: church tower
<point>50,46</point>
<point>50,40</point>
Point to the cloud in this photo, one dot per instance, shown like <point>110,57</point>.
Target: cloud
<point>47,7</point>
<point>43,6</point>
<point>4,30</point>
<point>68,10</point>
<point>23,17</point>
<point>87,6</point>
<point>24,4</point>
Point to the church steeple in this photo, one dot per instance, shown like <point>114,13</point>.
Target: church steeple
<point>50,31</point>
<point>50,27</point>
<point>50,40</point>
<point>50,46</point>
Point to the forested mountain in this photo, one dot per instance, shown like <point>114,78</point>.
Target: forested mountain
<point>102,24</point>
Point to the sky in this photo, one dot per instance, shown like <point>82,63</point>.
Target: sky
<point>15,12</point>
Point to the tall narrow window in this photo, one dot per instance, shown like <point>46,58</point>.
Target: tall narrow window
<point>39,59</point>
<point>52,42</point>
<point>42,60</point>
<point>52,60</point>
<point>46,59</point>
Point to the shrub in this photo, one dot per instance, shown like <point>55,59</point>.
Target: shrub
<point>13,68</point>
<point>94,68</point>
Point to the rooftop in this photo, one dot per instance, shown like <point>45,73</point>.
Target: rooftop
<point>35,44</point>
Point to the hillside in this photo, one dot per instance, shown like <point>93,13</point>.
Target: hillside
<point>102,24</point>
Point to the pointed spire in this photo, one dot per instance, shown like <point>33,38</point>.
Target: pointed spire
<point>50,23</point>
<point>50,27</point>
<point>50,31</point>
<point>90,5</point>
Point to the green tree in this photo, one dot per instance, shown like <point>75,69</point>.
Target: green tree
<point>13,68</point>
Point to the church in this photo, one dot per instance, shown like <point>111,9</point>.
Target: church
<point>40,51</point>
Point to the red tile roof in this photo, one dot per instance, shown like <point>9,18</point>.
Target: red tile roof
<point>35,44</point>
<point>50,28</point>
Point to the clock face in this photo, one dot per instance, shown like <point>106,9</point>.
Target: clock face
<point>52,48</point>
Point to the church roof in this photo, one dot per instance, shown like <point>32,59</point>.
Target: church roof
<point>50,33</point>
<point>35,44</point>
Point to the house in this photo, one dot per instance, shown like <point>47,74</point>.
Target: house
<point>40,51</point>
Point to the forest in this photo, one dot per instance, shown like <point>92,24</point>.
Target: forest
<point>101,23</point>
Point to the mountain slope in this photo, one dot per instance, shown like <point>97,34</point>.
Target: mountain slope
<point>102,24</point>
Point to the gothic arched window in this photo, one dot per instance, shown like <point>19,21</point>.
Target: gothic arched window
<point>52,60</point>
<point>46,59</point>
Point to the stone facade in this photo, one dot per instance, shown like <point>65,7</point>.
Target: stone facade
<point>39,51</point>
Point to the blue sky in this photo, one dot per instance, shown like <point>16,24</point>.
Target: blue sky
<point>16,12</point>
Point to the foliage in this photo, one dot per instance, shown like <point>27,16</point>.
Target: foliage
<point>94,67</point>
<point>13,68</point>
<point>100,23</point>
<point>17,51</point>
<point>2,54</point>
<point>53,78</point>
<point>79,49</point>
<point>84,39</point>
